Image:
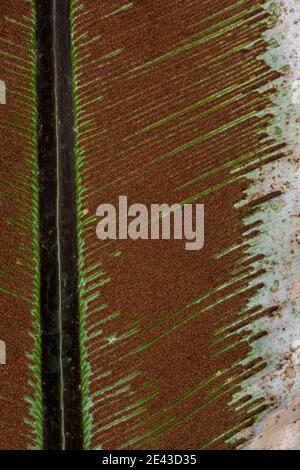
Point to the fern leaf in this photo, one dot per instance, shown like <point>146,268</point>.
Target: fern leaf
<point>20,385</point>
<point>143,344</point>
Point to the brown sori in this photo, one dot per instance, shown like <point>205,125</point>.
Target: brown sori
<point>167,102</point>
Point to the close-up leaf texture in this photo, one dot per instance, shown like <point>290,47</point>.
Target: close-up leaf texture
<point>173,102</point>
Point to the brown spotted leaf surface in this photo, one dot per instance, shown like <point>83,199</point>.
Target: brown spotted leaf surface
<point>171,106</point>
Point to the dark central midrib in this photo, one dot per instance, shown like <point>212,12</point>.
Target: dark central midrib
<point>59,299</point>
